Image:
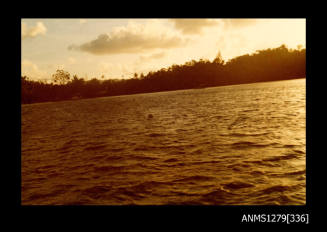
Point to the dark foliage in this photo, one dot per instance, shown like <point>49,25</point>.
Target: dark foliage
<point>265,65</point>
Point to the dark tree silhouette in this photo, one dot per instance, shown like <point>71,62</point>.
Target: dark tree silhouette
<point>61,77</point>
<point>264,65</point>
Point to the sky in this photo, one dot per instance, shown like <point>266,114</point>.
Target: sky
<point>118,48</point>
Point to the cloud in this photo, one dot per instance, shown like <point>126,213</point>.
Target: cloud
<point>32,70</point>
<point>38,29</point>
<point>193,26</point>
<point>196,26</point>
<point>158,55</point>
<point>238,23</point>
<point>133,38</point>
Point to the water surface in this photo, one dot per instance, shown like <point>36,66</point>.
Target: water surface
<point>230,145</point>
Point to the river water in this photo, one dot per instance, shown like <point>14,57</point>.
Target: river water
<point>230,145</point>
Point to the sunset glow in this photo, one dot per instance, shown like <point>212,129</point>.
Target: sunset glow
<point>118,48</point>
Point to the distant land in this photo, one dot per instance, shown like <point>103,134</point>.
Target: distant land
<point>273,64</point>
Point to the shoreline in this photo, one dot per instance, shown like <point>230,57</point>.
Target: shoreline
<point>196,88</point>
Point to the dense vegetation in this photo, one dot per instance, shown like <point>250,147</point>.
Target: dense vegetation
<point>265,65</point>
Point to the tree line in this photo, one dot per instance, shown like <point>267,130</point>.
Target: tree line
<point>273,64</point>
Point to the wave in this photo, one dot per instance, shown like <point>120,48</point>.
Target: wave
<point>206,162</point>
<point>96,191</point>
<point>288,174</point>
<point>78,202</point>
<point>46,167</point>
<point>82,166</point>
<point>199,178</point>
<point>44,196</point>
<point>257,173</point>
<point>31,149</point>
<point>184,193</point>
<point>262,162</point>
<point>142,157</point>
<point>290,145</point>
<point>156,135</point>
<point>238,185</point>
<point>298,151</point>
<point>236,134</point>
<point>144,148</point>
<point>275,199</point>
<point>70,143</point>
<point>197,151</point>
<point>138,190</point>
<point>276,189</point>
<point>283,157</point>
<point>218,196</point>
<point>113,157</point>
<point>109,168</point>
<point>247,144</point>
<point>95,147</point>
<point>115,149</point>
<point>171,160</point>
<point>296,173</point>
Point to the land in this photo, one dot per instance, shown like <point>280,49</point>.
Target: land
<point>274,64</point>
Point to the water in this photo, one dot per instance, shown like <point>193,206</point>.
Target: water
<point>231,145</point>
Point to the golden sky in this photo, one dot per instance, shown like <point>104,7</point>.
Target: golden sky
<point>117,48</point>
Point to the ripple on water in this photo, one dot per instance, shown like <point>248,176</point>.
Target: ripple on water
<point>238,185</point>
<point>282,157</point>
<point>212,146</point>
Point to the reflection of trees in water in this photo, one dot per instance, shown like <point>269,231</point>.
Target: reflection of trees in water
<point>264,65</point>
